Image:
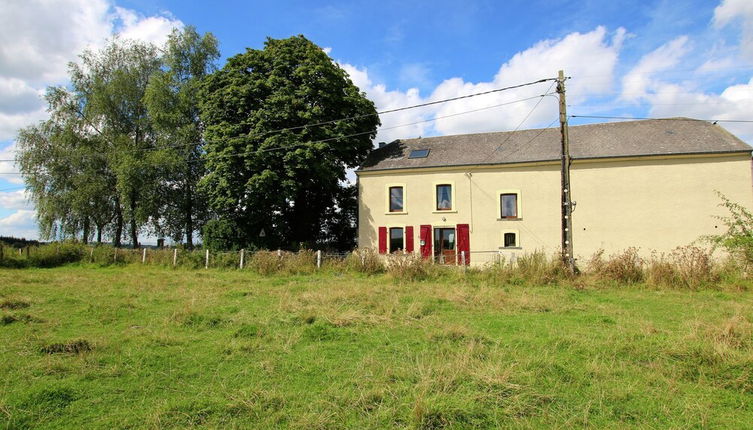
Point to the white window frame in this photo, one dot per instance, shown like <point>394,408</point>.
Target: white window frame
<point>518,201</point>
<point>387,199</point>
<point>452,196</point>
<point>517,239</point>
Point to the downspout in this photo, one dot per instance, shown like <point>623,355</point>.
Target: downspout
<point>470,197</point>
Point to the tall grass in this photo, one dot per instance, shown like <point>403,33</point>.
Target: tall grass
<point>687,267</point>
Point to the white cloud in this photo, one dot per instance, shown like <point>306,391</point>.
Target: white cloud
<point>734,103</point>
<point>593,55</point>
<point>386,100</point>
<point>8,170</point>
<point>730,10</point>
<point>639,80</point>
<point>590,58</point>
<point>153,29</point>
<point>21,223</point>
<point>38,38</point>
<point>14,200</point>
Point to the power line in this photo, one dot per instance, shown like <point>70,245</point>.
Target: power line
<point>509,136</point>
<point>269,149</point>
<point>659,119</point>
<point>274,148</point>
<point>387,111</point>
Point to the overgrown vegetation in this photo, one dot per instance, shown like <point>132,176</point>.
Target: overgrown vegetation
<point>148,346</point>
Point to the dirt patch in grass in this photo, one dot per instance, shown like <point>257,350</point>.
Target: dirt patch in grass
<point>13,304</point>
<point>74,347</point>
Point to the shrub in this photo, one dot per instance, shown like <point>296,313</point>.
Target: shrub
<point>626,266</point>
<point>365,260</point>
<point>537,268</point>
<point>266,262</point>
<point>410,267</point>
<point>738,239</point>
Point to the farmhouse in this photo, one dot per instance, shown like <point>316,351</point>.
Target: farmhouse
<point>649,184</point>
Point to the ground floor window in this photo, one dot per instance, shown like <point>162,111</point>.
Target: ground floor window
<point>510,240</point>
<point>396,239</point>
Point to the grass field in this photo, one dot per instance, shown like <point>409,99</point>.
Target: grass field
<point>148,347</point>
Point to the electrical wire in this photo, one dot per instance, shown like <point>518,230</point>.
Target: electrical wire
<point>269,149</point>
<point>659,119</point>
<point>509,136</point>
<point>383,112</point>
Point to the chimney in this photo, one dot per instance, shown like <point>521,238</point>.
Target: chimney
<point>381,144</point>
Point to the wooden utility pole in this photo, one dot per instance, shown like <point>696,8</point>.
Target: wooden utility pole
<point>567,206</point>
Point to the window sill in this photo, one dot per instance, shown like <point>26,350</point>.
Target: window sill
<point>396,213</point>
<point>444,212</point>
<point>509,219</point>
<point>510,247</point>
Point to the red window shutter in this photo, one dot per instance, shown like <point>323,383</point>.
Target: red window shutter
<point>382,240</point>
<point>409,238</point>
<point>464,243</point>
<point>425,238</point>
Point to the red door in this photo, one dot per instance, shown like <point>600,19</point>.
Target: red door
<point>382,240</point>
<point>464,243</point>
<point>409,238</point>
<point>425,241</point>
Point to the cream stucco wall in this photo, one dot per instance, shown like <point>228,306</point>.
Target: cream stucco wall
<point>652,203</point>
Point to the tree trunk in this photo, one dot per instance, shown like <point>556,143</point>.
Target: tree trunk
<point>134,229</point>
<point>85,236</point>
<point>189,220</point>
<point>118,223</point>
<point>99,233</point>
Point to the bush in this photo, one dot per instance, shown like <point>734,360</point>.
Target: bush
<point>409,267</point>
<point>537,268</point>
<point>738,239</point>
<point>266,262</point>
<point>364,260</point>
<point>626,266</point>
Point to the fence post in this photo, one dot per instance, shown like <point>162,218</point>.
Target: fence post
<point>319,259</point>
<point>462,259</point>
<point>206,260</point>
<point>91,255</point>
<point>27,252</point>
<point>143,257</point>
<point>115,256</point>
<point>243,254</point>
<point>1,251</point>
<point>19,252</point>
<point>175,257</point>
<point>279,253</point>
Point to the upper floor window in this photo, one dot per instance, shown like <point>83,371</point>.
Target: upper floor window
<point>444,197</point>
<point>508,203</point>
<point>396,199</point>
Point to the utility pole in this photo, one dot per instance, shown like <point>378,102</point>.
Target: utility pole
<point>567,206</point>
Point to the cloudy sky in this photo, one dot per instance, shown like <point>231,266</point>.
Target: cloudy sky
<point>648,58</point>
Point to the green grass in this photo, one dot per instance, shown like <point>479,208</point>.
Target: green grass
<point>149,347</point>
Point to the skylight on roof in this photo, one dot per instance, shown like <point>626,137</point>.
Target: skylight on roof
<point>419,153</point>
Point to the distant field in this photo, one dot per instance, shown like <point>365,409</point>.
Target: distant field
<point>147,347</point>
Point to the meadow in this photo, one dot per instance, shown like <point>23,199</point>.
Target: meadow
<point>132,346</point>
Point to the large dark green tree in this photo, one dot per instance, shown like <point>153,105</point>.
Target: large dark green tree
<point>171,101</point>
<point>270,167</point>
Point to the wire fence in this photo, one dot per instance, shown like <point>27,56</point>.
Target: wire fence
<point>50,255</point>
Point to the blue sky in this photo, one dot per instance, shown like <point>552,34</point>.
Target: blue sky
<point>627,58</point>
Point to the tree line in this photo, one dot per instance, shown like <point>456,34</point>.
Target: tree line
<point>160,140</point>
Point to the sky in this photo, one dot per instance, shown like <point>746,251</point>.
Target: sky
<point>634,58</point>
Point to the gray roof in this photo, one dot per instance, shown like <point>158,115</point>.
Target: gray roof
<point>617,139</point>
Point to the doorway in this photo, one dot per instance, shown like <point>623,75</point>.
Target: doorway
<point>444,246</point>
